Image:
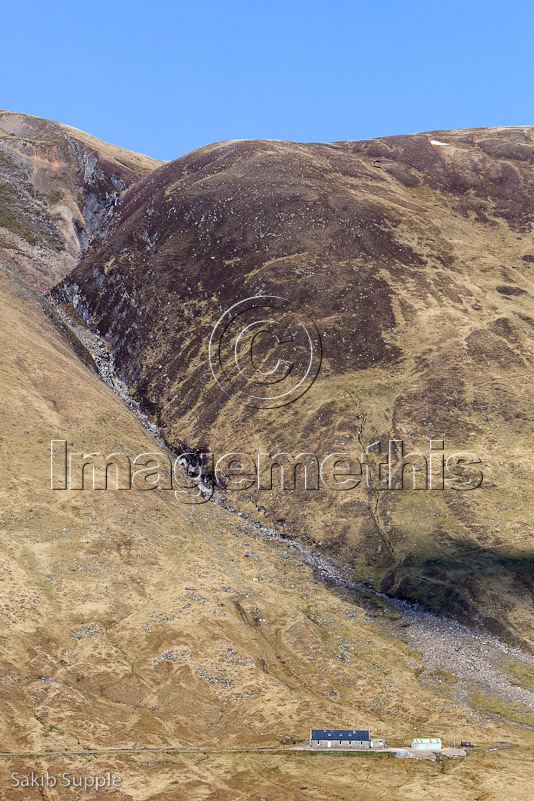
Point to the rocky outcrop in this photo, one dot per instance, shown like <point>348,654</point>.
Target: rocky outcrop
<point>57,186</point>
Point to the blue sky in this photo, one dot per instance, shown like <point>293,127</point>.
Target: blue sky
<point>165,77</point>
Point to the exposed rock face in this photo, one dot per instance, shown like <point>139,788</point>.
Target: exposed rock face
<point>57,185</point>
<point>413,255</point>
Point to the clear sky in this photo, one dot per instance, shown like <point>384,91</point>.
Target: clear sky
<point>165,77</point>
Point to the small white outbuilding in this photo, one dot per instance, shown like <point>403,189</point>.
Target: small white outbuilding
<point>426,744</point>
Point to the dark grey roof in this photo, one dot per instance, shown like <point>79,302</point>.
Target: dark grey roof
<point>340,734</point>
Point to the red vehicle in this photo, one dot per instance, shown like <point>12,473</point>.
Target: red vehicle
<point>468,744</point>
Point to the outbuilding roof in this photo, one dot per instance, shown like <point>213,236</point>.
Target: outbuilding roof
<point>340,734</point>
<point>426,740</point>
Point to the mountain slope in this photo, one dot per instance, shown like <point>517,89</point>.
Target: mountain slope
<point>129,620</point>
<point>201,634</point>
<point>57,184</point>
<point>413,256</point>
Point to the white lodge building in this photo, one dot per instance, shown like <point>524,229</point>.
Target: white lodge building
<point>340,738</point>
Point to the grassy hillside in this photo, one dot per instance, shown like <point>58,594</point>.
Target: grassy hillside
<point>129,620</point>
<point>205,640</point>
